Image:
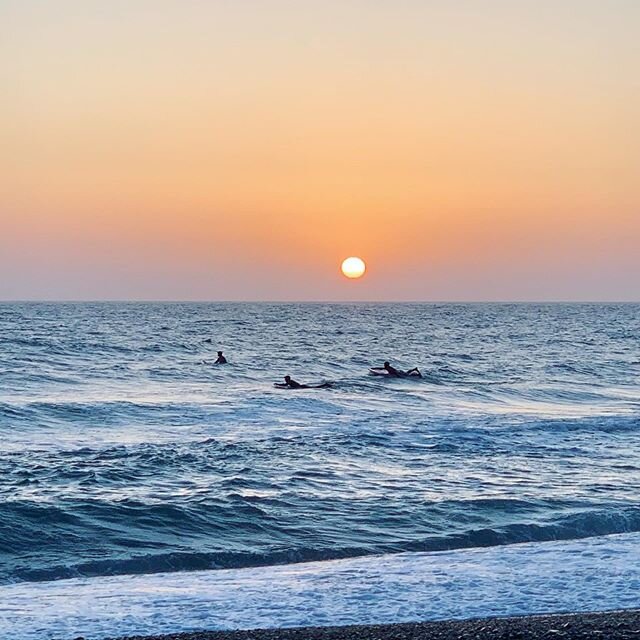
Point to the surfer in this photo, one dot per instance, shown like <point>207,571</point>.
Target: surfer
<point>396,373</point>
<point>392,371</point>
<point>221,359</point>
<point>290,383</point>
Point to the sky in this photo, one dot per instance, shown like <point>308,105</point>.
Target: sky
<point>241,149</point>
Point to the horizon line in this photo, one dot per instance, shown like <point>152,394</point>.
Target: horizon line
<point>280,301</point>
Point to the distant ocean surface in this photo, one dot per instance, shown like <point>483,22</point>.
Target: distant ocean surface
<point>125,452</point>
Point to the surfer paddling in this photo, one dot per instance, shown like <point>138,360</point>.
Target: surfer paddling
<point>290,383</point>
<point>387,369</point>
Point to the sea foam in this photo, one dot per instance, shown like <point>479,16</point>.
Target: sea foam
<point>594,574</point>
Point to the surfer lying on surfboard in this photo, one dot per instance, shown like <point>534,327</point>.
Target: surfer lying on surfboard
<point>395,373</point>
<point>290,383</point>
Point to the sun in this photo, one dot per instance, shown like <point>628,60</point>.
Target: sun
<point>353,267</point>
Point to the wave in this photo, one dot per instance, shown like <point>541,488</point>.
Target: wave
<point>96,415</point>
<point>128,541</point>
<point>596,574</point>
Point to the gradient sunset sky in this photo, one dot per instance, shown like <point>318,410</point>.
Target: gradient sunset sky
<point>240,149</point>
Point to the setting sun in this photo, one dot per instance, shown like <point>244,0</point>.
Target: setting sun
<point>353,267</point>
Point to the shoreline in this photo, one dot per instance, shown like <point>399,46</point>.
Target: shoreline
<point>608,625</point>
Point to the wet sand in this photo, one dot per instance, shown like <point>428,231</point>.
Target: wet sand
<point>613,625</point>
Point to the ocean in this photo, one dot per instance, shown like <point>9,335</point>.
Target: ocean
<point>145,489</point>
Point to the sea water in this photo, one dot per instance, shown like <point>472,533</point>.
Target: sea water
<point>143,488</point>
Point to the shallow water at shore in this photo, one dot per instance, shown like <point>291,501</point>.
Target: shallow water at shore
<point>594,574</point>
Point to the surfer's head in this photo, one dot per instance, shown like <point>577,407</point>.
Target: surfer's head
<point>219,353</point>
<point>287,378</point>
<point>386,365</point>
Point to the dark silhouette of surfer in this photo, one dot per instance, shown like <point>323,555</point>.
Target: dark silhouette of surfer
<point>397,373</point>
<point>221,359</point>
<point>290,383</point>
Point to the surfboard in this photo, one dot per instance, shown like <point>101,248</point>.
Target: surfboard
<point>323,385</point>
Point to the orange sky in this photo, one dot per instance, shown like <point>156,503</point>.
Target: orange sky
<point>467,150</point>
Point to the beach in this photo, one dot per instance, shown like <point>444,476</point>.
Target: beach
<point>610,625</point>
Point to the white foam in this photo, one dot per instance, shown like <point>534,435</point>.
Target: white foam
<point>584,575</point>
